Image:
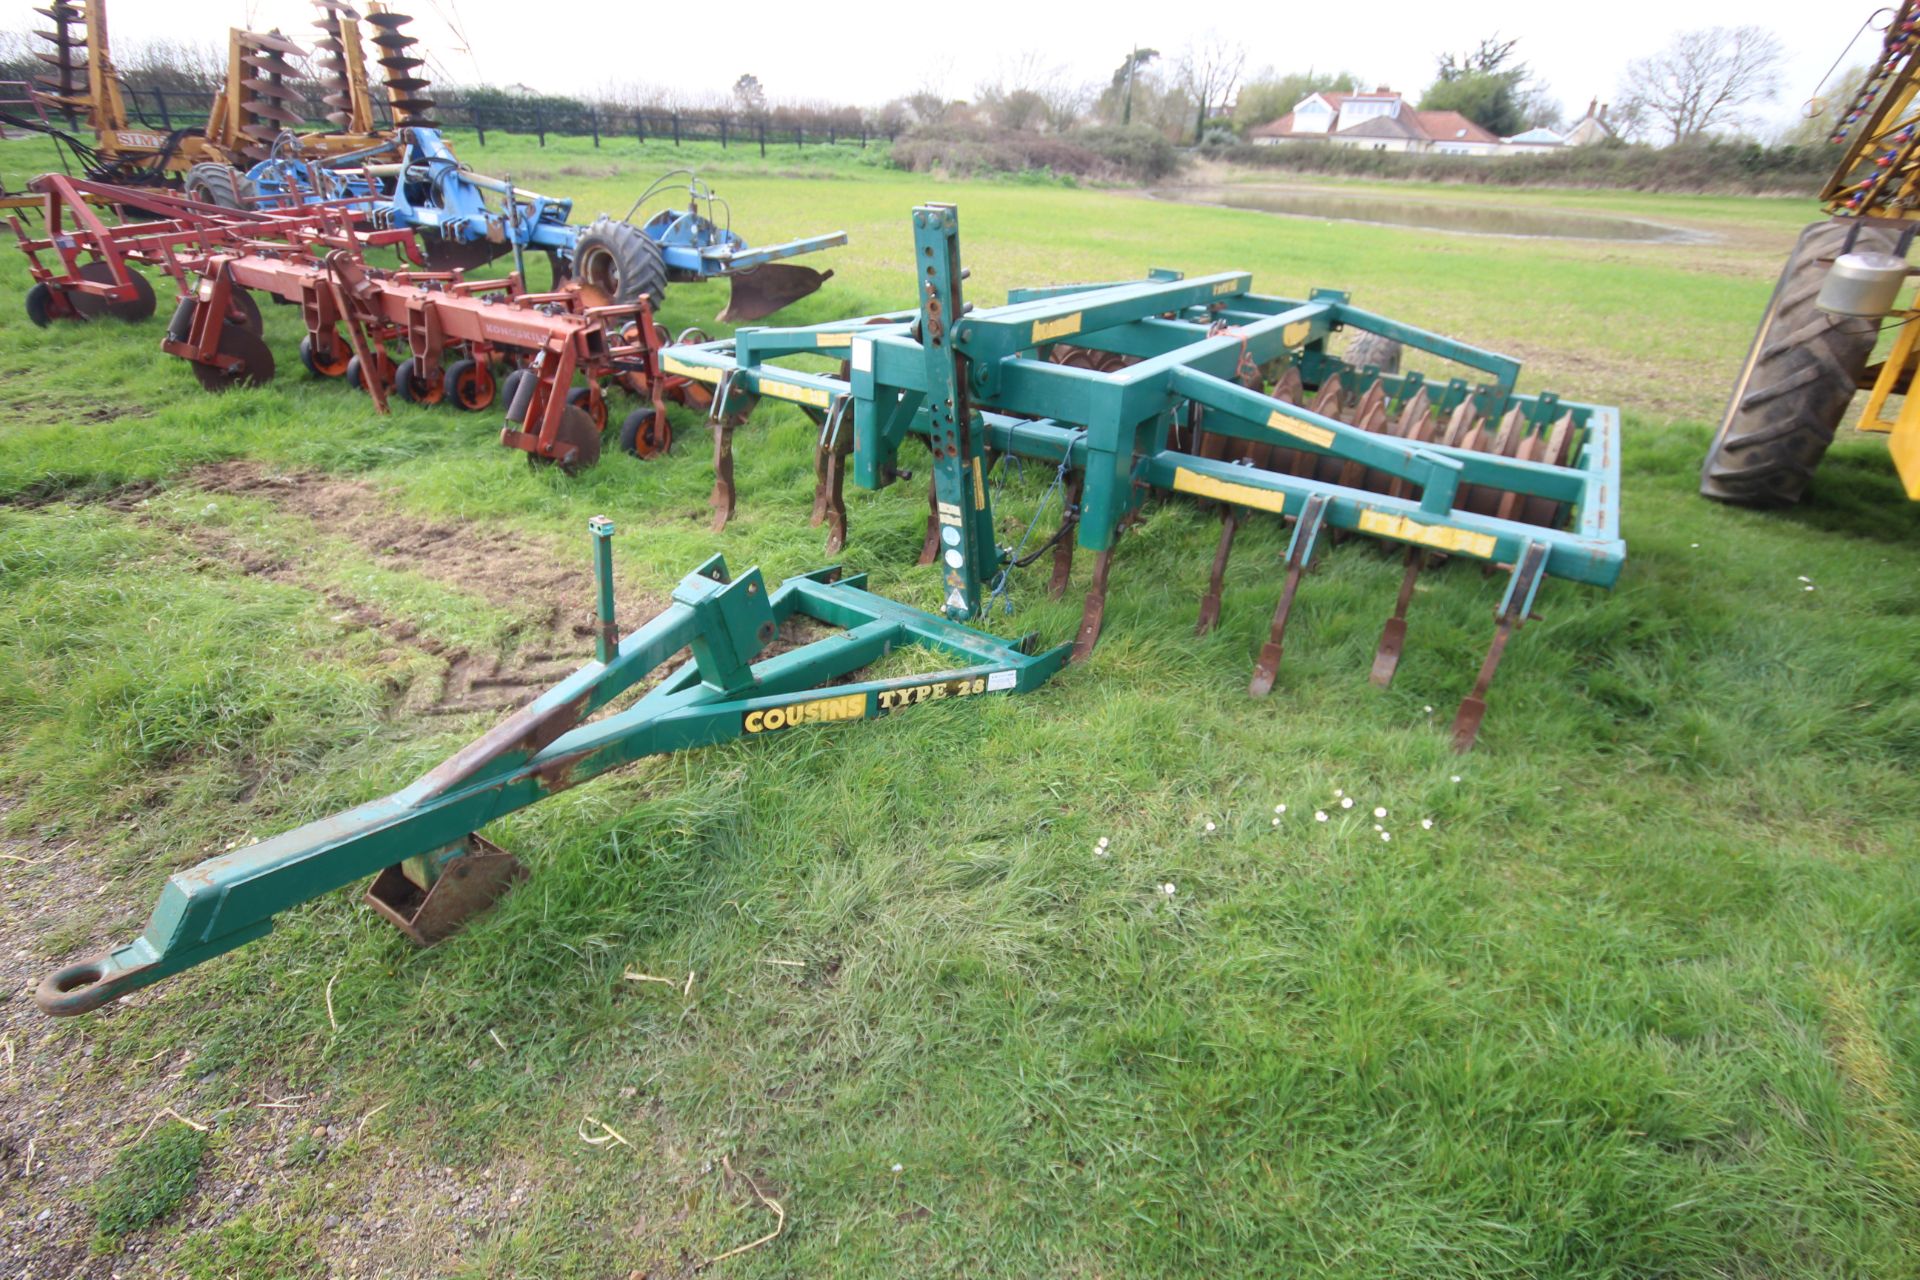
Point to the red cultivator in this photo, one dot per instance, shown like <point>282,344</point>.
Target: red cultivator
<point>428,336</point>
<point>451,332</point>
<point>92,257</point>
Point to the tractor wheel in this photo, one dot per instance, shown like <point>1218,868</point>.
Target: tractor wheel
<point>589,400</point>
<point>220,184</point>
<point>244,312</point>
<point>469,384</point>
<point>645,433</point>
<point>1372,349</point>
<point>41,307</point>
<point>412,385</point>
<point>256,361</point>
<point>616,262</point>
<point>1800,376</point>
<point>331,364</point>
<point>357,372</point>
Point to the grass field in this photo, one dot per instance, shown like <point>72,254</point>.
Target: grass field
<point>1641,1002</point>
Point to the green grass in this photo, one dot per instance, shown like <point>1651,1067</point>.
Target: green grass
<point>1641,1002</point>
<point>149,1180</point>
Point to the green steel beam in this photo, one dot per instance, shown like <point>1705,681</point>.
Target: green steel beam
<point>552,744</point>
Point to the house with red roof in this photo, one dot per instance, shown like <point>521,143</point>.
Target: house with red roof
<point>1377,121</point>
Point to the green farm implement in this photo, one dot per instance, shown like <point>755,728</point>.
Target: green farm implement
<point>1196,387</point>
<point>432,869</point>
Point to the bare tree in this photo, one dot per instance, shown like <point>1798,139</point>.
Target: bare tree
<point>1209,71</point>
<point>1702,80</point>
<point>749,94</point>
<point>930,103</point>
<point>1027,94</point>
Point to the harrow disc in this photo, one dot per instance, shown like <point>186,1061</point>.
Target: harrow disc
<point>135,309</point>
<point>578,433</point>
<point>254,357</point>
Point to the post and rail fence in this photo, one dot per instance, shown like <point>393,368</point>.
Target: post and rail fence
<point>171,109</point>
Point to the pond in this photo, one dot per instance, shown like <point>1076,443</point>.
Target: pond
<point>1490,219</point>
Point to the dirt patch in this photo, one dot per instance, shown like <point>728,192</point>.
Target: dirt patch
<point>547,587</point>
<point>121,497</point>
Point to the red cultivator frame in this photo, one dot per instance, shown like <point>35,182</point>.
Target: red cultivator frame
<point>453,330</point>
<point>92,258</point>
<point>427,335</point>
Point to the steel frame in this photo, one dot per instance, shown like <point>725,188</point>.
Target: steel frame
<point>1199,355</point>
<point>189,231</point>
<point>434,869</point>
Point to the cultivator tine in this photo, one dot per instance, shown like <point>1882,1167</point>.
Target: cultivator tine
<point>1063,546</point>
<point>1306,531</point>
<point>830,497</point>
<point>1210,603</point>
<point>1394,637</point>
<point>718,417</point>
<point>1094,614</point>
<point>1515,609</point>
<point>930,548</point>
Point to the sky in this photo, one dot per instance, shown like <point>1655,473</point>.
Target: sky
<point>867,53</point>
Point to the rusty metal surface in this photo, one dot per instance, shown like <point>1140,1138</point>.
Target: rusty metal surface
<point>466,885</point>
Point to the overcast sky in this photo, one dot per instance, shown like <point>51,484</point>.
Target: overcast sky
<point>868,53</point>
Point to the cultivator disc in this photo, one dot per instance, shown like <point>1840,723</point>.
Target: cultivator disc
<point>63,87</point>
<point>269,102</point>
<point>400,67</point>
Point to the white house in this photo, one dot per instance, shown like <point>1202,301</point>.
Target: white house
<point>1377,121</point>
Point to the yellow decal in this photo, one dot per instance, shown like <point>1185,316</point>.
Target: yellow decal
<point>1297,332</point>
<point>1445,537</point>
<point>1240,495</point>
<point>848,706</point>
<point>979,486</point>
<point>794,392</point>
<point>1048,330</point>
<point>892,699</point>
<point>1300,430</point>
<point>833,339</point>
<point>1226,287</point>
<point>669,365</point>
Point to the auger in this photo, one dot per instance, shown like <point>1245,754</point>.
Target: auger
<point>1198,388</point>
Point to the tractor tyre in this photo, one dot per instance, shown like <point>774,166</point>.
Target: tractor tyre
<point>469,384</point>
<point>40,305</point>
<point>615,262</point>
<point>645,433</point>
<point>1372,349</point>
<point>220,184</point>
<point>1800,375</point>
<point>411,384</point>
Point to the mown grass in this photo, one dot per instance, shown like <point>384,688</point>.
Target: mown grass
<point>1641,1001</point>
